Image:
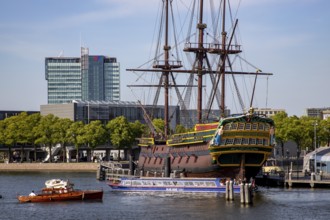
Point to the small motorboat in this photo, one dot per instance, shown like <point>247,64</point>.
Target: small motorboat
<point>60,190</point>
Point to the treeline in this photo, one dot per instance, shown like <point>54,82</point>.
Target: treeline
<point>306,132</point>
<point>37,130</point>
<point>49,130</point>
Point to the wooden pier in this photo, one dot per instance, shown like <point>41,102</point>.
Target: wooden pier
<point>314,180</point>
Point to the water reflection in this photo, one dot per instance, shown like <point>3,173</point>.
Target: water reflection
<point>272,203</point>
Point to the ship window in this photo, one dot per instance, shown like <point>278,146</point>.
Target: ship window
<point>245,141</point>
<point>261,126</point>
<point>254,126</point>
<point>267,127</point>
<point>227,127</point>
<point>252,141</point>
<point>189,184</point>
<point>238,141</point>
<point>136,183</point>
<point>229,141</point>
<point>127,182</point>
<point>266,142</point>
<point>234,126</point>
<point>223,142</point>
<point>248,126</point>
<point>159,183</point>
<point>241,126</point>
<point>210,184</point>
<point>259,141</point>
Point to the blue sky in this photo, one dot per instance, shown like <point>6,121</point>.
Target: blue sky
<point>289,38</point>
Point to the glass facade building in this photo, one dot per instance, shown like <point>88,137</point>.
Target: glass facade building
<point>64,79</point>
<point>87,78</point>
<point>104,111</point>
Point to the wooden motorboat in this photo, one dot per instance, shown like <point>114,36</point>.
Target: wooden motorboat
<point>60,190</point>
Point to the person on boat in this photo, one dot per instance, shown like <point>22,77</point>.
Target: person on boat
<point>32,193</point>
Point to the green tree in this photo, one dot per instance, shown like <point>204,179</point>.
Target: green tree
<point>45,132</point>
<point>294,130</point>
<point>11,134</point>
<point>159,125</point>
<point>62,135</point>
<point>180,129</point>
<point>2,133</point>
<point>281,122</point>
<point>94,134</point>
<point>307,131</point>
<point>121,133</point>
<point>75,135</point>
<point>32,121</point>
<point>324,132</point>
<point>138,129</point>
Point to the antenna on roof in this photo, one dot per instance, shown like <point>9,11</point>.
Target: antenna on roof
<point>61,54</point>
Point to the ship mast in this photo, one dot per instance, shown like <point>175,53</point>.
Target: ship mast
<point>223,61</point>
<point>200,57</point>
<point>165,66</point>
<point>201,65</point>
<point>165,74</point>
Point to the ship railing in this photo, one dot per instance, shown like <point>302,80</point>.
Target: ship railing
<point>112,173</point>
<point>212,47</point>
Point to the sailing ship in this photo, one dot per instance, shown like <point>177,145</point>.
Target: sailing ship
<point>234,146</point>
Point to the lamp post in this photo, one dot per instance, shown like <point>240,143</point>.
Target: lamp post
<point>298,154</point>
<point>315,150</point>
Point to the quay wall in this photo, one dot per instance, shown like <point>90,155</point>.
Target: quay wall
<point>56,167</point>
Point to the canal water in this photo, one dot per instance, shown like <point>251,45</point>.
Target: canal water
<point>268,203</point>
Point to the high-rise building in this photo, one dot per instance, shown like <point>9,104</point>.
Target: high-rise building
<point>88,78</point>
<point>64,79</point>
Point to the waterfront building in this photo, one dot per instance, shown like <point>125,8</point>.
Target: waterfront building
<point>82,78</point>
<point>6,114</point>
<point>269,112</point>
<point>105,111</point>
<point>316,112</point>
<point>325,114</point>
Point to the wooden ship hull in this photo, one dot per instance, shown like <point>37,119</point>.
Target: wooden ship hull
<point>57,190</point>
<point>58,197</point>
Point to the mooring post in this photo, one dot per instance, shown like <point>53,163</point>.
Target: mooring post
<point>231,190</point>
<point>98,172</point>
<point>247,189</point>
<point>242,194</point>
<point>227,190</point>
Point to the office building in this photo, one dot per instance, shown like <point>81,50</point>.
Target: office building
<point>316,112</point>
<point>269,112</point>
<point>82,78</point>
<point>105,111</point>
